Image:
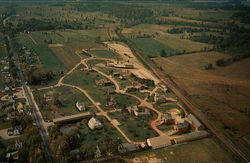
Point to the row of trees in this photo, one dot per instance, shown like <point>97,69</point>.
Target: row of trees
<point>147,82</point>
<point>190,30</point>
<point>41,77</point>
<point>211,39</point>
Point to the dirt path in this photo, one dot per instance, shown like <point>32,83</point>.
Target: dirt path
<point>4,135</point>
<point>143,103</point>
<point>33,39</point>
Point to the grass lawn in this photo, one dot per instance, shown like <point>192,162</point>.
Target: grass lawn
<point>87,82</point>
<point>67,97</point>
<point>137,128</point>
<point>200,151</point>
<point>123,83</point>
<point>151,47</point>
<point>124,101</point>
<point>165,127</point>
<point>139,94</point>
<point>92,62</point>
<point>174,42</point>
<point>48,58</point>
<point>1,37</point>
<point>166,106</point>
<point>5,124</point>
<point>98,136</point>
<point>66,56</point>
<point>104,53</point>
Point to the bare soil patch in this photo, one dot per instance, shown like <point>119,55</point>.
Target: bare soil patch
<point>55,45</point>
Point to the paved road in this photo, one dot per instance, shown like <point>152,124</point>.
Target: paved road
<point>35,111</point>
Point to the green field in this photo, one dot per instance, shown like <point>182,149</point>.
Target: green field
<point>199,151</point>
<point>151,47</point>
<point>87,82</point>
<point>104,54</point>
<point>66,56</point>
<point>124,101</point>
<point>2,52</point>
<point>86,140</point>
<point>48,58</point>
<point>166,106</point>
<point>67,98</point>
<point>61,36</point>
<point>137,128</point>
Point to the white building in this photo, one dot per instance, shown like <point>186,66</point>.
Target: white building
<point>94,124</point>
<point>159,142</point>
<point>80,106</point>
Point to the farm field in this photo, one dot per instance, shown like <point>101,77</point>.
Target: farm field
<point>151,47</point>
<point>183,45</point>
<point>48,58</point>
<point>113,55</point>
<point>104,54</point>
<point>61,36</point>
<point>204,150</point>
<point>171,42</point>
<point>66,56</point>
<point>214,90</point>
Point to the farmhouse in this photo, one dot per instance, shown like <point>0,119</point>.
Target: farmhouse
<point>94,124</point>
<point>127,147</point>
<point>194,122</point>
<point>172,119</point>
<point>142,113</point>
<point>103,82</point>
<point>136,111</point>
<point>159,142</point>
<point>80,106</point>
<point>191,137</point>
<point>131,109</point>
